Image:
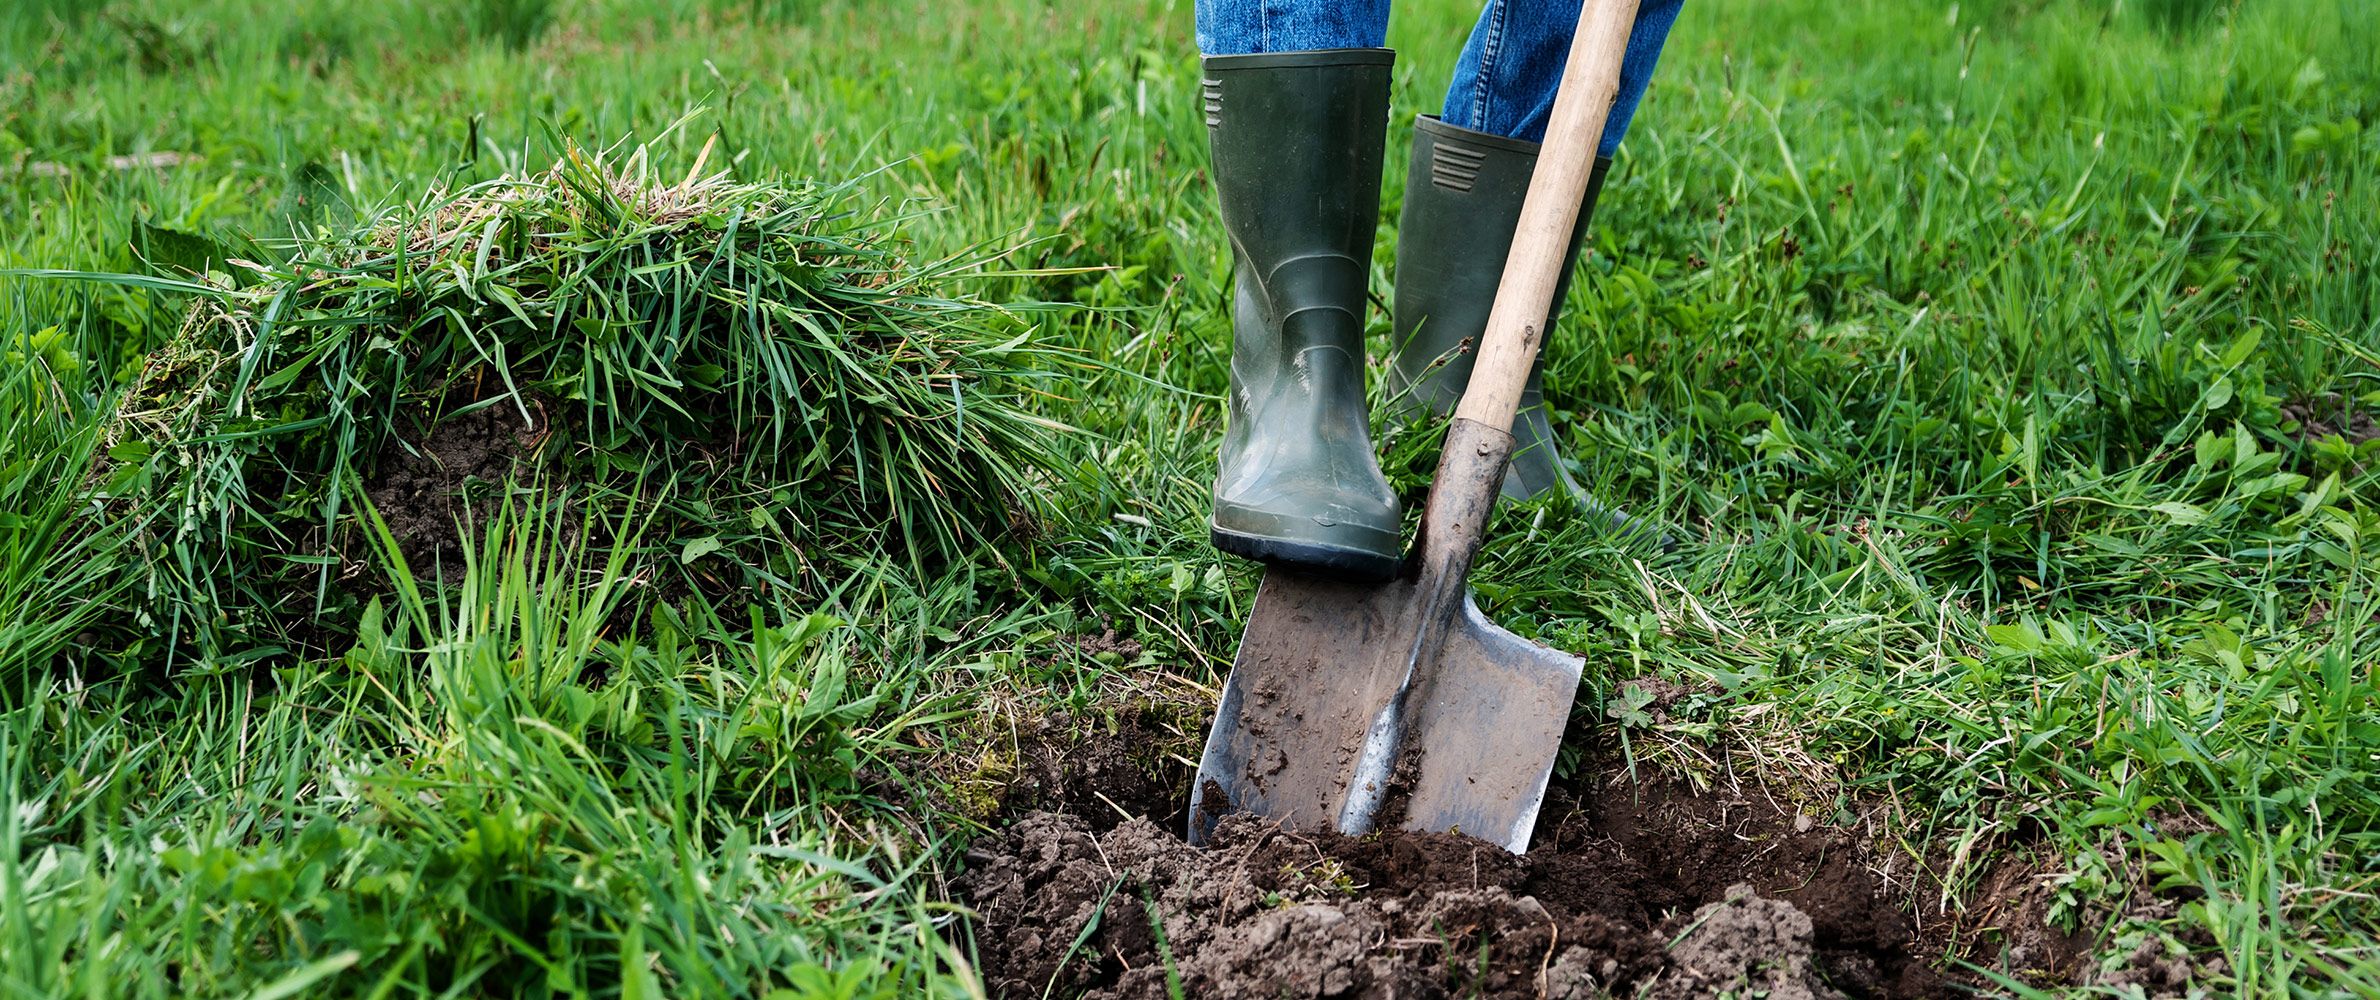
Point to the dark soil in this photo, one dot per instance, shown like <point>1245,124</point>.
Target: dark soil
<point>1132,764</point>
<point>427,488</point>
<point>1266,914</point>
<point>2011,928</point>
<point>2158,966</point>
<point>1633,889</point>
<point>1686,848</point>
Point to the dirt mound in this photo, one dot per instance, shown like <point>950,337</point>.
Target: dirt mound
<point>1633,889</point>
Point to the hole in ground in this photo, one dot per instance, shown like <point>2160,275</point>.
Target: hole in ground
<point>1633,888</point>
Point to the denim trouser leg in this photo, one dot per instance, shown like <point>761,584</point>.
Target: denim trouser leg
<point>1242,27</point>
<point>1509,70</point>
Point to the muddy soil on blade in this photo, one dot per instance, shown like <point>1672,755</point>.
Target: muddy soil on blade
<point>1633,890</point>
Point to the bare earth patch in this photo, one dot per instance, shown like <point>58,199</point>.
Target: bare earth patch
<point>1637,884</point>
<point>1644,889</point>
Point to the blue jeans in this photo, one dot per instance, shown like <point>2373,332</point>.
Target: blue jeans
<point>1505,81</point>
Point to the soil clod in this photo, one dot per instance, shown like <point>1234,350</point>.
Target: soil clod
<point>1133,763</point>
<point>1745,946</point>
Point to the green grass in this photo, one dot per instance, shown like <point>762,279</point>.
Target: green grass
<point>57,575</point>
<point>1997,364</point>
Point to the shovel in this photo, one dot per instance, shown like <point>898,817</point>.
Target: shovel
<point>1361,705</point>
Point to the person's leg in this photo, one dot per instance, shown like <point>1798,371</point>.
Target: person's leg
<point>1247,27</point>
<point>1505,81</point>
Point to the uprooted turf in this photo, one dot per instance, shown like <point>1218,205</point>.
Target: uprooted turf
<point>762,362</point>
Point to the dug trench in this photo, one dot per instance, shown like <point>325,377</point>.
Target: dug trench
<point>1635,886</point>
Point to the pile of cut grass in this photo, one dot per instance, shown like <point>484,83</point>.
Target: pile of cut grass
<point>757,359</point>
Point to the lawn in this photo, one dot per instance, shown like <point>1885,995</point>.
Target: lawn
<point>589,497</point>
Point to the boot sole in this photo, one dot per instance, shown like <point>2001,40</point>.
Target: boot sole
<point>1354,565</point>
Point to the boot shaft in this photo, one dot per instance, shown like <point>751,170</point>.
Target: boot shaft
<point>1463,199</point>
<point>1296,143</point>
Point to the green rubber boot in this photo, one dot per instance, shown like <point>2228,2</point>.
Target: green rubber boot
<point>1296,139</point>
<point>1462,202</point>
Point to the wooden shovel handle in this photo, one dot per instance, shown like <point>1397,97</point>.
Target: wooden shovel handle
<point>1590,81</point>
